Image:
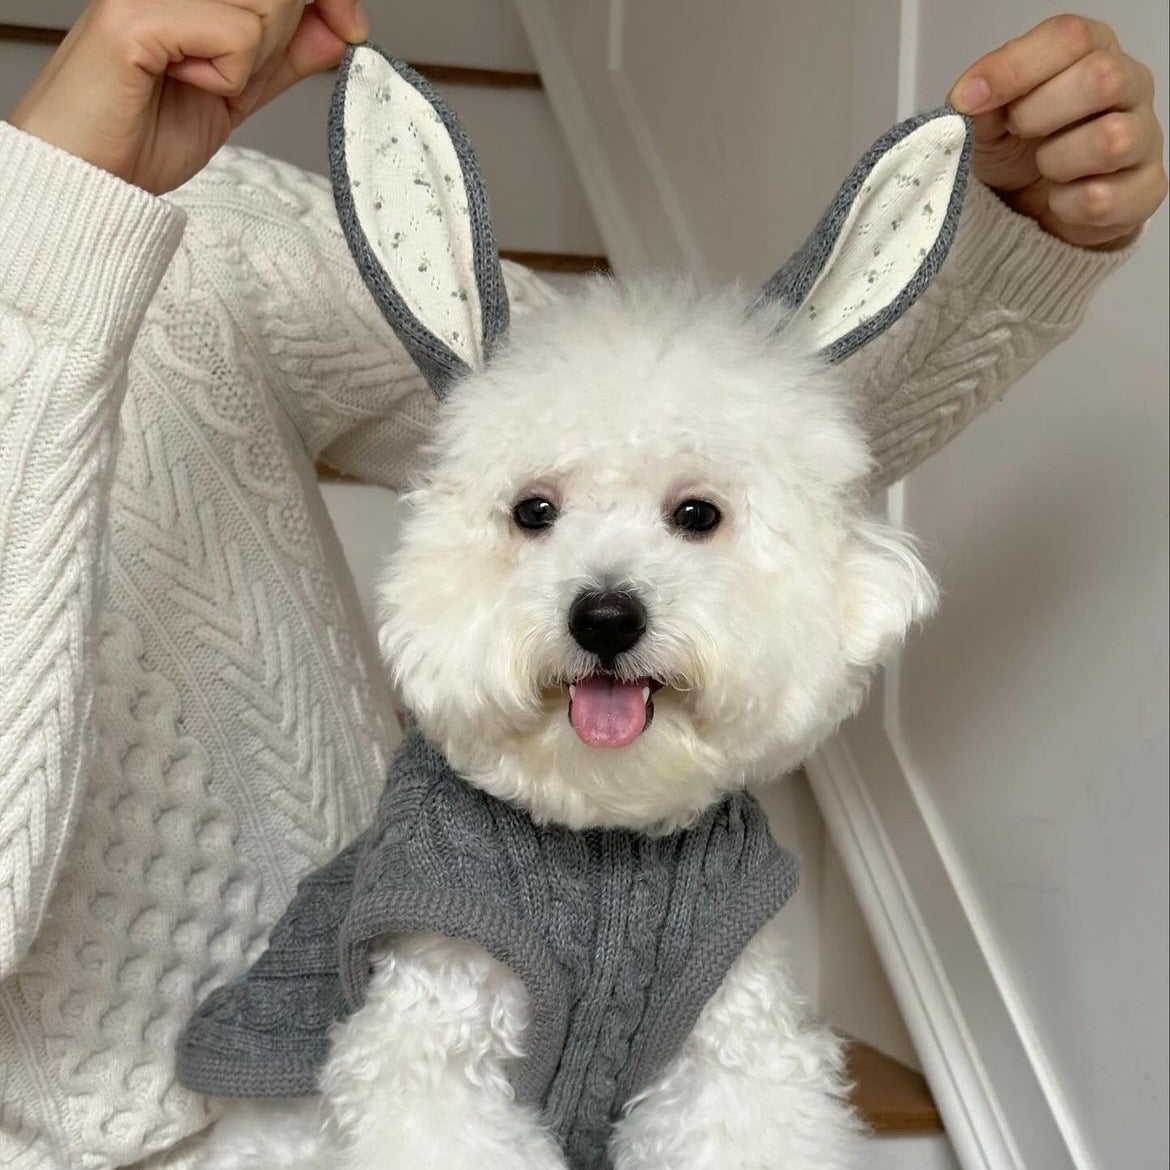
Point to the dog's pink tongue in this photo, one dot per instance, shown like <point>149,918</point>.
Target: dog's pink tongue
<point>607,713</point>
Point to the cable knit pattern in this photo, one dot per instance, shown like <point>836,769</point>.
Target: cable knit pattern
<point>130,942</point>
<point>618,961</point>
<point>192,715</point>
<point>1008,294</point>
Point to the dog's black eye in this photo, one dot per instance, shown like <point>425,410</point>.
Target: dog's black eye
<point>534,513</point>
<point>696,517</point>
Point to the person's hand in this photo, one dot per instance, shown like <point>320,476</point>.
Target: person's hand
<point>150,89</point>
<point>1065,131</point>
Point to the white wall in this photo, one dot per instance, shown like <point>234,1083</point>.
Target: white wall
<point>1034,708</point>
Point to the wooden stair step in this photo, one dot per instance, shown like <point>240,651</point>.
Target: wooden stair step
<point>538,204</point>
<point>570,262</point>
<point>29,34</point>
<point>474,75</point>
<point>480,33</point>
<point>440,74</point>
<point>891,1096</point>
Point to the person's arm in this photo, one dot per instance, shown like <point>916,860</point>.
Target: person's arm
<point>265,243</point>
<point>1068,166</point>
<point>135,100</point>
<point>80,256</point>
<point>1007,295</point>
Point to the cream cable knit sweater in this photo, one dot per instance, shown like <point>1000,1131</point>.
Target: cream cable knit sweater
<point>191,712</point>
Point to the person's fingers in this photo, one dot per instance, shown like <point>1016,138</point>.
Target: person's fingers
<point>314,47</point>
<point>990,128</point>
<point>210,45</point>
<point>346,19</point>
<point>1000,159</point>
<point>279,18</point>
<point>1104,80</point>
<point>1087,237</point>
<point>1026,62</point>
<point>1114,142</point>
<point>1118,203</point>
<point>1033,202</point>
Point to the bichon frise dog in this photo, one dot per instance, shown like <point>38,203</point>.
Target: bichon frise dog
<point>638,579</point>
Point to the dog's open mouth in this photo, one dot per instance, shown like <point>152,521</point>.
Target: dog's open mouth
<point>607,712</point>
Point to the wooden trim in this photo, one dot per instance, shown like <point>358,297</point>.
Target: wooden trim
<point>467,75</point>
<point>439,74</point>
<point>891,1097</point>
<point>556,261</point>
<point>329,474</point>
<point>29,34</point>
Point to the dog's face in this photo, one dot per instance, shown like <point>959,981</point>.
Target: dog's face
<point>639,574</point>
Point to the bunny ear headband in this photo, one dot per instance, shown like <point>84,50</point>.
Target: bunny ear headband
<point>413,209</point>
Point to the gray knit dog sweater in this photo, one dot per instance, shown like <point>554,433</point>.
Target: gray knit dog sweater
<point>619,937</point>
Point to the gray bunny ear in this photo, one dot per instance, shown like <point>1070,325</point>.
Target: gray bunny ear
<point>884,237</point>
<point>414,212</point>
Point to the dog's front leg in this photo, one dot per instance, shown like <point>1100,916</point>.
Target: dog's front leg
<point>757,1086</point>
<point>417,1078</point>
<point>283,1134</point>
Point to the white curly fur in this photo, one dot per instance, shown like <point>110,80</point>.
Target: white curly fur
<point>616,405</point>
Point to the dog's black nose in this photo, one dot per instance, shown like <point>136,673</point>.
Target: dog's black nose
<point>607,623</point>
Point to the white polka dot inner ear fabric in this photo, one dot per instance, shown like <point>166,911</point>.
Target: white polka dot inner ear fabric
<point>891,227</point>
<point>410,200</point>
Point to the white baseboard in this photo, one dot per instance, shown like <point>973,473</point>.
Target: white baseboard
<point>901,1151</point>
<point>1001,1106</point>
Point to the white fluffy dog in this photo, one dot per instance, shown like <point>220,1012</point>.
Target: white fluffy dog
<point>639,576</point>
<point>671,456</point>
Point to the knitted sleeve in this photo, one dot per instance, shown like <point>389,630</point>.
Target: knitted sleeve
<point>266,237</point>
<point>81,254</point>
<point>1008,293</point>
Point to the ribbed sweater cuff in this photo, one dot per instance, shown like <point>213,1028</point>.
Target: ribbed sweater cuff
<point>79,248</point>
<point>1020,266</point>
